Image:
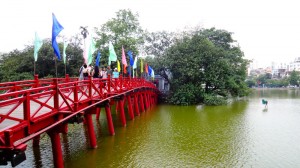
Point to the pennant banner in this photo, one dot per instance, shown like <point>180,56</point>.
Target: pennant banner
<point>130,57</point>
<point>92,49</point>
<point>64,51</point>
<point>56,29</point>
<point>37,45</point>
<point>98,59</point>
<point>112,54</point>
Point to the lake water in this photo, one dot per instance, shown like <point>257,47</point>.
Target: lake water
<point>241,134</point>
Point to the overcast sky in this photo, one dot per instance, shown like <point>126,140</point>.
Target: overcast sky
<point>265,30</point>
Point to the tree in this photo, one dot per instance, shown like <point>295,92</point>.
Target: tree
<point>123,30</point>
<point>294,78</point>
<point>207,62</point>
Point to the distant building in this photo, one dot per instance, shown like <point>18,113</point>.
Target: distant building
<point>295,65</point>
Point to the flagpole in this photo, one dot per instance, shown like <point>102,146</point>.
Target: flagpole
<point>33,67</point>
<point>65,69</point>
<point>55,66</point>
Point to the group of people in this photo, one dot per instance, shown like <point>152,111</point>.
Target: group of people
<point>96,72</point>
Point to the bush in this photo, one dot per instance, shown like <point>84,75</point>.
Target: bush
<point>213,100</point>
<point>186,95</point>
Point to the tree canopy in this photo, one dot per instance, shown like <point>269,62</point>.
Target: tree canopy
<point>206,62</point>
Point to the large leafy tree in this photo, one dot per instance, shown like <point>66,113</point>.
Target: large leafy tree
<point>18,65</point>
<point>206,62</point>
<point>123,30</point>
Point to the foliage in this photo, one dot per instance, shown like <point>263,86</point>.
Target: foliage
<point>213,100</point>
<point>187,94</point>
<point>123,30</point>
<point>19,65</point>
<point>294,78</point>
<point>207,58</point>
<point>250,83</point>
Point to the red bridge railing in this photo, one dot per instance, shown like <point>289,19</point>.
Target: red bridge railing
<point>30,108</point>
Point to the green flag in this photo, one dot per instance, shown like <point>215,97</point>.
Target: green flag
<point>112,54</point>
<point>37,45</point>
<point>64,51</point>
<point>92,49</point>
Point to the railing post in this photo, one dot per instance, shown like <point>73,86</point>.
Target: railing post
<point>67,78</point>
<point>26,110</point>
<point>108,83</point>
<point>36,80</point>
<point>76,97</point>
<point>90,87</point>
<point>55,96</point>
<point>121,83</point>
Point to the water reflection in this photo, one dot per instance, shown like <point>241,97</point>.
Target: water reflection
<point>241,134</point>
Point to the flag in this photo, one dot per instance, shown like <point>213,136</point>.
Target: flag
<point>56,29</point>
<point>149,70</point>
<point>119,66</point>
<point>135,62</point>
<point>146,68</point>
<point>37,45</point>
<point>130,57</point>
<point>142,68</point>
<point>112,54</point>
<point>64,51</point>
<point>152,74</point>
<point>92,49</point>
<point>98,59</point>
<point>124,62</point>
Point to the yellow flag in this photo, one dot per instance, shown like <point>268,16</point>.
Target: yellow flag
<point>119,66</point>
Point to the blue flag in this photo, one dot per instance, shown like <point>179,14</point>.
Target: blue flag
<point>149,70</point>
<point>130,58</point>
<point>56,29</point>
<point>98,59</point>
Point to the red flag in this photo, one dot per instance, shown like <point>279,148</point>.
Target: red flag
<point>146,68</point>
<point>124,62</point>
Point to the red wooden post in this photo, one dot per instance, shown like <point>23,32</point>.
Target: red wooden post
<point>55,96</point>
<point>145,98</point>
<point>109,120</point>
<point>136,105</point>
<point>98,110</point>
<point>26,110</point>
<point>67,78</point>
<point>36,80</point>
<point>121,83</point>
<point>90,87</point>
<point>122,113</point>
<point>130,110</point>
<point>142,102</point>
<point>56,149</point>
<point>36,141</point>
<point>90,127</point>
<point>76,96</point>
<point>108,83</point>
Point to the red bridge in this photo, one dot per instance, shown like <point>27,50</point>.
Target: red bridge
<point>33,107</point>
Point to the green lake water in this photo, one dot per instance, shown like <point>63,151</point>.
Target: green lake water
<point>241,134</point>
